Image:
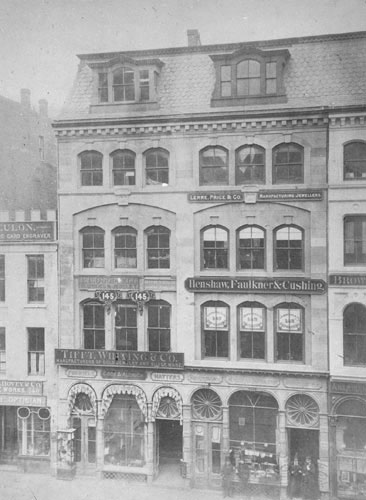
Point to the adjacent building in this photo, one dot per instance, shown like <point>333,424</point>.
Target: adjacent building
<point>28,286</point>
<point>193,263</point>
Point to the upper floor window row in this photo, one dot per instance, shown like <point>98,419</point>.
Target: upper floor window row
<point>125,247</point>
<point>251,248</point>
<point>156,163</point>
<point>354,161</point>
<point>249,75</point>
<point>250,165</point>
<point>214,166</point>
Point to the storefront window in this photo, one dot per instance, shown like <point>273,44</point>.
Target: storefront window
<point>34,431</point>
<point>351,445</point>
<point>124,433</point>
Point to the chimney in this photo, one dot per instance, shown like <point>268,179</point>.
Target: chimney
<point>194,39</point>
<point>43,108</point>
<point>25,98</point>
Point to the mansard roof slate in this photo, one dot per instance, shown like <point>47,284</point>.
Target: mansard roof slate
<point>327,70</point>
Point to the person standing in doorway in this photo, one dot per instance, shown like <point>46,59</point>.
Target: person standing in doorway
<point>309,484</point>
<point>227,478</point>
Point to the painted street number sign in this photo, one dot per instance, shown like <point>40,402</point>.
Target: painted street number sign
<point>107,297</point>
<point>140,297</point>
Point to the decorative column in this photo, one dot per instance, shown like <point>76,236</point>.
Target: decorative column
<point>149,444</point>
<point>187,438</point>
<point>225,431</point>
<point>282,453</point>
<point>99,438</point>
<point>332,456</point>
<point>323,462</point>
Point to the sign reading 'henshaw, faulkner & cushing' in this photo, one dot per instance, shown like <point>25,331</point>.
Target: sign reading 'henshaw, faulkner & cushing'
<point>267,285</point>
<point>133,359</point>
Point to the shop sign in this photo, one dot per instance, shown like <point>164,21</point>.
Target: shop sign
<point>115,373</point>
<point>140,297</point>
<point>167,377</point>
<point>347,388</point>
<point>133,359</point>
<point>108,282</point>
<point>293,194</point>
<point>267,285</point>
<point>7,400</point>
<point>21,387</point>
<point>25,232</point>
<point>76,373</point>
<point>205,378</point>
<point>347,279</point>
<point>215,196</point>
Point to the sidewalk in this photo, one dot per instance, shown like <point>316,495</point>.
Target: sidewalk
<point>17,486</point>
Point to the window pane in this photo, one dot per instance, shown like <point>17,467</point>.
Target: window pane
<point>225,73</point>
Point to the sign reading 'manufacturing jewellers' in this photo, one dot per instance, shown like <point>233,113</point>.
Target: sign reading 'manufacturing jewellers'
<point>262,195</point>
<point>108,282</point>
<point>347,388</point>
<point>268,285</point>
<point>21,387</point>
<point>27,232</point>
<point>133,359</point>
<point>347,279</point>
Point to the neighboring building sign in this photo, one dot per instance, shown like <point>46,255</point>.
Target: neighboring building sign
<point>294,194</point>
<point>21,387</point>
<point>215,196</point>
<point>267,285</point>
<point>347,388</point>
<point>261,195</point>
<point>116,373</point>
<point>347,279</point>
<point>167,377</point>
<point>7,400</point>
<point>134,359</point>
<point>77,373</point>
<point>27,232</point>
<point>108,282</point>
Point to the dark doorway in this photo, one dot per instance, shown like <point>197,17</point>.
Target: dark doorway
<point>170,441</point>
<point>303,443</point>
<point>8,434</point>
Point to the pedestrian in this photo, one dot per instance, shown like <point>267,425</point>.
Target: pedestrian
<point>227,478</point>
<point>309,484</point>
<point>295,479</point>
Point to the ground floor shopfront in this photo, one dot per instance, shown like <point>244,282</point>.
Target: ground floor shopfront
<point>348,439</point>
<point>187,422</point>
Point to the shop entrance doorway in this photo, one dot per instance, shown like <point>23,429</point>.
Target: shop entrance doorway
<point>85,443</point>
<point>8,434</point>
<point>303,443</point>
<point>168,450</point>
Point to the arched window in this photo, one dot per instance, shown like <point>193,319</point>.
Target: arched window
<point>289,328</point>
<point>251,248</point>
<point>248,78</point>
<point>215,248</point>
<point>288,164</point>
<point>206,405</point>
<point>124,430</point>
<point>125,247</point>
<point>92,247</point>
<point>215,329</point>
<point>91,168</point>
<point>289,251</point>
<point>125,322</point>
<point>157,166</point>
<point>123,168</point>
<point>351,427</point>
<point>250,165</point>
<point>93,325</point>
<point>355,240</point>
<point>252,328</point>
<point>355,160</point>
<point>214,166</point>
<point>158,247</point>
<point>354,334</point>
<point>252,424</point>
<point>158,325</point>
<point>124,84</point>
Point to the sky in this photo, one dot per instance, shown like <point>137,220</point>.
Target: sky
<point>40,39</point>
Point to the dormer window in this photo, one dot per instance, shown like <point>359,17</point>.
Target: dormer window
<point>126,80</point>
<point>250,76</point>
